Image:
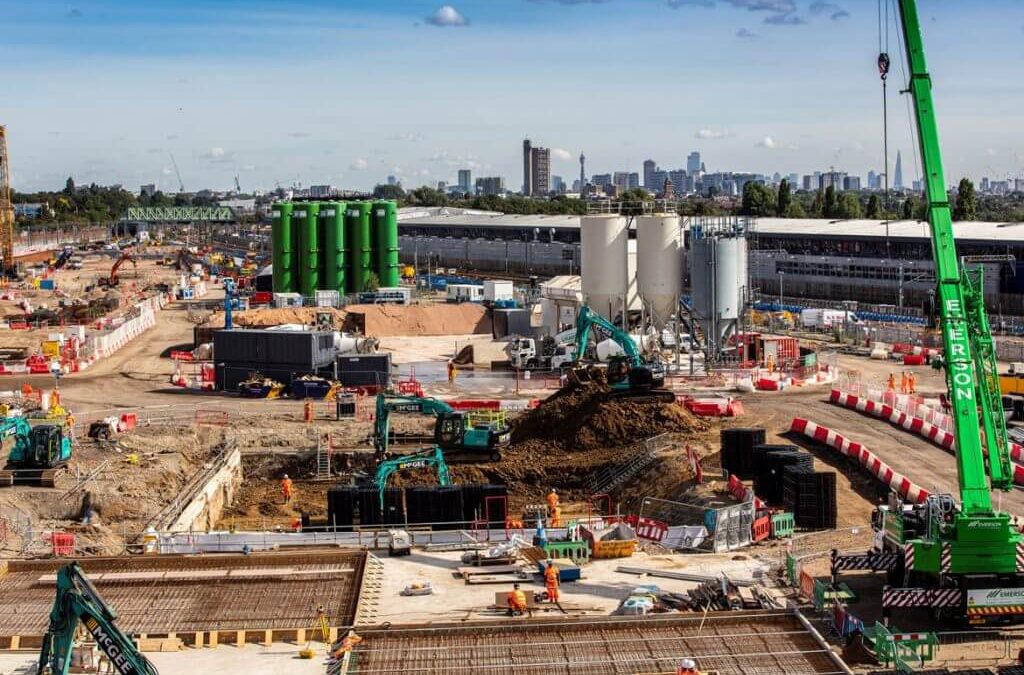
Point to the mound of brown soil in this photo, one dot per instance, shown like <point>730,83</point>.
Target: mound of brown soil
<point>581,418</point>
<point>433,319</point>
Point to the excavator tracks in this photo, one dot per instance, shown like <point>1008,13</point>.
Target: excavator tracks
<point>46,478</point>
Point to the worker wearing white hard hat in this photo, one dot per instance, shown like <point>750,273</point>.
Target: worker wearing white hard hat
<point>687,667</point>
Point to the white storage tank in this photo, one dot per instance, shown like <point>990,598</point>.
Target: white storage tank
<point>604,242</point>
<point>659,264</point>
<point>718,275</point>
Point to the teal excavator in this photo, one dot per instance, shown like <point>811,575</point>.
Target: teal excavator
<point>629,375</point>
<point>40,453</point>
<point>426,458</point>
<point>77,602</point>
<point>474,436</point>
<point>962,559</point>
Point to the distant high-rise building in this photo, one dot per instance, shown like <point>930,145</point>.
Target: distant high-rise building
<point>491,185</point>
<point>392,180</point>
<point>681,182</point>
<point>465,180</point>
<point>147,190</point>
<point>536,170</point>
<point>583,172</point>
<point>897,176</point>
<point>693,163</point>
<point>872,180</point>
<point>984,184</point>
<point>650,167</point>
<point>794,181</point>
<point>658,181</point>
<point>626,180</point>
<point>557,185</point>
<point>668,190</point>
<point>776,177</point>
<point>442,186</point>
<point>835,179</point>
<point>321,191</point>
<point>851,183</point>
<point>810,183</point>
<point>917,186</point>
<point>602,180</point>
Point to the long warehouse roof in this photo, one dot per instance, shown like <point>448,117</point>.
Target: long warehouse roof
<point>821,227</point>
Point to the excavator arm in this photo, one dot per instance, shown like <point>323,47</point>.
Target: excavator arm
<point>78,601</point>
<point>589,320</point>
<point>432,457</point>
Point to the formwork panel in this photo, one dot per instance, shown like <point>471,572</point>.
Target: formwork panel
<point>734,643</point>
<point>213,593</point>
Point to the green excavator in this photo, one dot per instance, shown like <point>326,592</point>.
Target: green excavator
<point>629,375</point>
<point>78,601</point>
<point>39,455</point>
<point>467,436</point>
<point>960,558</point>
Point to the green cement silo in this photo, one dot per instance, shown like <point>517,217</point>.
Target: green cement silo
<point>309,247</point>
<point>360,245</point>
<point>385,233</point>
<point>283,248</point>
<point>334,259</point>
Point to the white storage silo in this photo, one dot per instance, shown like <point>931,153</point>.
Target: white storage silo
<point>659,265</point>
<point>604,242</point>
<point>718,276</point>
<point>632,290</point>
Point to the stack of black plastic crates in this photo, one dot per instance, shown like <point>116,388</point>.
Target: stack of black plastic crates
<point>810,496</point>
<point>738,451</point>
<point>771,461</point>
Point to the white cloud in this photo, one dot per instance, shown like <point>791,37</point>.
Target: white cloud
<point>767,142</point>
<point>218,155</point>
<point>712,134</point>
<point>358,164</point>
<point>446,15</point>
<point>561,154</point>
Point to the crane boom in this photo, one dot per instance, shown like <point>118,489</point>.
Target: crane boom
<point>6,208</point>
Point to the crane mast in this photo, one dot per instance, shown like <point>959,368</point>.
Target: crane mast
<point>976,539</point>
<point>6,208</point>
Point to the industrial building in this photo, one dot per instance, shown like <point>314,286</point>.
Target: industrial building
<point>870,261</point>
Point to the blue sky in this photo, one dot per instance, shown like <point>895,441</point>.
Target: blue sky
<point>347,92</point>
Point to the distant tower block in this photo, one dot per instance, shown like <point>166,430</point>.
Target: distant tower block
<point>583,171</point>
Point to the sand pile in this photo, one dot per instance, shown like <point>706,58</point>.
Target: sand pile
<point>581,418</point>
<point>263,318</point>
<point>435,319</point>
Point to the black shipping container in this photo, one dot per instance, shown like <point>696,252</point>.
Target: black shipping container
<point>364,370</point>
<point>300,349</point>
<point>341,505</point>
<point>449,514</point>
<point>506,322</point>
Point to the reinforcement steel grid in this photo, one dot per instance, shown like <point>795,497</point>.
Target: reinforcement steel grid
<point>767,643</point>
<point>211,593</point>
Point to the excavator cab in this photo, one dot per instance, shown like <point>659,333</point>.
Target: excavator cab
<point>45,447</point>
<point>456,431</point>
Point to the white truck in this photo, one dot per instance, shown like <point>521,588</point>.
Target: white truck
<point>497,292</point>
<point>548,354</point>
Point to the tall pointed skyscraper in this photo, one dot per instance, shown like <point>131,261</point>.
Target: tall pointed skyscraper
<point>897,178</point>
<point>583,172</point>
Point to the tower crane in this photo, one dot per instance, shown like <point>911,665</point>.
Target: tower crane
<point>181,184</point>
<point>6,209</point>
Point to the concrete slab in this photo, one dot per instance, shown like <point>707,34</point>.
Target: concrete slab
<point>597,593</point>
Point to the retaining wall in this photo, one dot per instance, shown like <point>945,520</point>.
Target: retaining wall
<point>204,509</point>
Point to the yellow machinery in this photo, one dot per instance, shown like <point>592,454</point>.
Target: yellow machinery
<point>1012,382</point>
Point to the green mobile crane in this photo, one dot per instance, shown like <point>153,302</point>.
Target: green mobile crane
<point>964,561</point>
<point>78,601</point>
<point>629,375</point>
<point>454,431</point>
<point>40,453</point>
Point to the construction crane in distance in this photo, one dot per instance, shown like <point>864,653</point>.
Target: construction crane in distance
<point>181,184</point>
<point>6,209</point>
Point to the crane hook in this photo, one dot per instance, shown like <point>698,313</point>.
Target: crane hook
<point>883,65</point>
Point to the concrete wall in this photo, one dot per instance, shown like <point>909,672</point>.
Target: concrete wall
<point>203,511</point>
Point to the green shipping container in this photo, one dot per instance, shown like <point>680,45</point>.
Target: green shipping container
<point>309,247</point>
<point>334,261</point>
<point>385,233</point>
<point>360,245</point>
<point>283,248</point>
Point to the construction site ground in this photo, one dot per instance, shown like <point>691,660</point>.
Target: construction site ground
<point>598,593</point>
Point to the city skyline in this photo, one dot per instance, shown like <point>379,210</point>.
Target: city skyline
<point>215,87</point>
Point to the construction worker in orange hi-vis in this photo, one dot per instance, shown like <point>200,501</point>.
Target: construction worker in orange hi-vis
<point>551,581</point>
<point>891,384</point>
<point>554,513</point>
<point>286,488</point>
<point>516,601</point>
<point>912,382</point>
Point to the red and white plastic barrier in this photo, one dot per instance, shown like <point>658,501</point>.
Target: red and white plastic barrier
<point>898,482</point>
<point>926,430</point>
<point>494,404</point>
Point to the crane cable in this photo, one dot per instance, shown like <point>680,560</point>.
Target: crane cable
<point>905,74</point>
<point>883,71</point>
